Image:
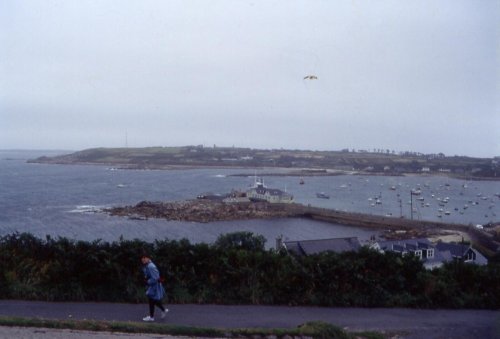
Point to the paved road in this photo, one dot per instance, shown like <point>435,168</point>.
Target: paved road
<point>417,323</point>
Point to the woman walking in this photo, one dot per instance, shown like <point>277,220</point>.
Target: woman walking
<point>154,288</point>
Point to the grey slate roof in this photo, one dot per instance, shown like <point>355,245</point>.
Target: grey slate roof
<point>409,244</point>
<point>308,247</point>
<point>444,252</point>
<point>456,250</point>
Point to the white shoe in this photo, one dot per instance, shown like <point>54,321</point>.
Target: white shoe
<point>148,318</point>
<point>164,313</point>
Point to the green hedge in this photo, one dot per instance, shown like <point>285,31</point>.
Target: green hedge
<point>236,269</point>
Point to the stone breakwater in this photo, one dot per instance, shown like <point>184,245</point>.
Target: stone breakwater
<point>208,210</point>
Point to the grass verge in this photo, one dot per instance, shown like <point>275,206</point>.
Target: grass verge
<point>311,329</point>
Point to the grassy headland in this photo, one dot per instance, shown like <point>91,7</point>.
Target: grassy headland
<point>384,162</point>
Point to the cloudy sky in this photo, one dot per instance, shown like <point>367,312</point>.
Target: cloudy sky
<point>400,75</point>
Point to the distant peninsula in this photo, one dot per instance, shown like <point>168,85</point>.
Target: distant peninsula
<point>294,162</point>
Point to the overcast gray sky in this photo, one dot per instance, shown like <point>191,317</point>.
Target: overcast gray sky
<point>400,75</point>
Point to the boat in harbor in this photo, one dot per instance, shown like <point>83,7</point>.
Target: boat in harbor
<point>322,195</point>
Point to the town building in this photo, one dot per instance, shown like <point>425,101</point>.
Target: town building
<point>259,192</point>
<point>309,247</point>
<point>463,252</point>
<point>431,255</point>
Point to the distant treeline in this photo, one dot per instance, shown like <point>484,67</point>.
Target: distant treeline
<point>236,269</point>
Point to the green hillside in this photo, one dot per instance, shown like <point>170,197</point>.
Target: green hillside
<point>380,162</point>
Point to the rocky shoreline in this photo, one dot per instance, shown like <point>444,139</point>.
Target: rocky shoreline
<point>212,209</point>
<point>203,210</point>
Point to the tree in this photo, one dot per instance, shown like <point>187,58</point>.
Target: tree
<point>240,240</point>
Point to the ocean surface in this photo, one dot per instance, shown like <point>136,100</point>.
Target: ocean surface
<point>62,200</point>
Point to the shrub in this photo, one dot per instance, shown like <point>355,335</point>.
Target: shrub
<point>236,270</point>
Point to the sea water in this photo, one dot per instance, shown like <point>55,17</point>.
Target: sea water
<point>65,200</point>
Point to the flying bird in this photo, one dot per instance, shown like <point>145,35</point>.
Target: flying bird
<point>310,77</point>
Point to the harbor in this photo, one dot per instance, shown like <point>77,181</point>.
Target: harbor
<point>65,201</point>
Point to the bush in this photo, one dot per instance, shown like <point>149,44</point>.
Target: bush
<point>236,270</point>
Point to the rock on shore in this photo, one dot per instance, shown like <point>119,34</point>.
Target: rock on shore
<point>202,210</point>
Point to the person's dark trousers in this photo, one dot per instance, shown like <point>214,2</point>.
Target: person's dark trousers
<point>152,304</point>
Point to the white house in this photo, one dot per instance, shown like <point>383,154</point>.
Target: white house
<point>259,192</point>
<point>432,255</point>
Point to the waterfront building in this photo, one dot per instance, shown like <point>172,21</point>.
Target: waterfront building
<point>259,192</point>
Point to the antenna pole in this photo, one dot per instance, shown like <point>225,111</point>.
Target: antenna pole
<point>411,204</point>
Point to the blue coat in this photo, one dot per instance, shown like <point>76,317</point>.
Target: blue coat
<point>155,288</point>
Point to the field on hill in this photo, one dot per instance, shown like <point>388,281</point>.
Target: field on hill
<point>384,162</point>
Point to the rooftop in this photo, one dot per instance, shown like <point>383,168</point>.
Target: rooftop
<point>337,245</point>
